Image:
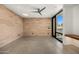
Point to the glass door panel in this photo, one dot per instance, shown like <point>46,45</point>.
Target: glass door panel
<point>59,27</point>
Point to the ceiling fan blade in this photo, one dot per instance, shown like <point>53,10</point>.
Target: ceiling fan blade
<point>42,9</point>
<point>40,13</point>
<point>35,11</point>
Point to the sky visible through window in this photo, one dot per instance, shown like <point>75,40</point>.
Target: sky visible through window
<point>60,20</point>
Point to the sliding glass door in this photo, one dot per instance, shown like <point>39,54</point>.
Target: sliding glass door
<point>57,26</point>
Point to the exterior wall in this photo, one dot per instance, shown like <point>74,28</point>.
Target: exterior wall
<point>11,26</point>
<point>37,27</point>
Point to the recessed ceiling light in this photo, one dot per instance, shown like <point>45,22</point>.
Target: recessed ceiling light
<point>25,14</point>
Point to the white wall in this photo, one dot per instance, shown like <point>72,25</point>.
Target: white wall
<point>68,19</point>
<point>76,20</point>
<point>71,19</point>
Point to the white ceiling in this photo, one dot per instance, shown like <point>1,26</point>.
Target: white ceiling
<point>25,10</point>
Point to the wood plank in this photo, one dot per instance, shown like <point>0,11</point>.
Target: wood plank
<point>73,36</point>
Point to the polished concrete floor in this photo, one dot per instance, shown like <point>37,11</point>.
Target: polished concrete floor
<point>70,49</point>
<point>38,45</point>
<point>33,45</point>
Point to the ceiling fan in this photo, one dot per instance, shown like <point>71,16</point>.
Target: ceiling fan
<point>38,10</point>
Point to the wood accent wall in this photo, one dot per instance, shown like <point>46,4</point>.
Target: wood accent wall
<point>11,26</point>
<point>37,27</point>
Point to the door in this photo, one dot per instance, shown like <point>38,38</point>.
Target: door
<point>57,26</point>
